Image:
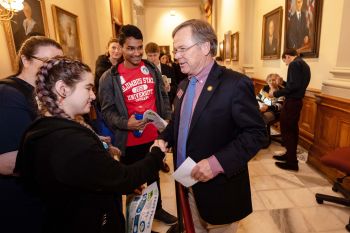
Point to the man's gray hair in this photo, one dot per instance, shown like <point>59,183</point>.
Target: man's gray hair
<point>201,32</point>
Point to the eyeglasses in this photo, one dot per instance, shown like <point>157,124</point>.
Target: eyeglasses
<point>183,50</point>
<point>43,59</point>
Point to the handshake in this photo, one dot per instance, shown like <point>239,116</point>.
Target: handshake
<point>161,144</point>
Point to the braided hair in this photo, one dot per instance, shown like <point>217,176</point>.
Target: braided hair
<point>53,70</point>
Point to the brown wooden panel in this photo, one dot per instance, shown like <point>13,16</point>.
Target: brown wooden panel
<point>332,130</point>
<point>258,84</point>
<point>308,118</point>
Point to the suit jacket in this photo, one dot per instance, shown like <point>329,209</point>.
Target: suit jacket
<point>297,31</point>
<point>226,123</point>
<point>169,72</point>
<point>271,49</point>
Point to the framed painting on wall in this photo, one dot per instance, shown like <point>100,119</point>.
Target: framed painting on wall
<point>303,26</point>
<point>271,34</point>
<point>221,50</point>
<point>116,15</point>
<point>67,32</point>
<point>164,49</point>
<point>28,22</point>
<point>235,46</point>
<point>227,46</point>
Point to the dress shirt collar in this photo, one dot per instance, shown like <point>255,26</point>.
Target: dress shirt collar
<point>203,74</point>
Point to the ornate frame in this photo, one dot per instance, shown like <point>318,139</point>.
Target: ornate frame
<point>13,32</point>
<point>235,46</point>
<point>67,32</point>
<point>274,16</point>
<point>313,23</point>
<point>227,46</point>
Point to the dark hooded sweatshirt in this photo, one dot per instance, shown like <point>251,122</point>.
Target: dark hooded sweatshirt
<point>78,181</point>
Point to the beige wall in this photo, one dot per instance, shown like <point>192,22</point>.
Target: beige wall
<point>244,16</point>
<point>159,24</point>
<point>232,17</point>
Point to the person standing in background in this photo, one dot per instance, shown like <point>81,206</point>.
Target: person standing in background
<point>107,60</point>
<point>298,79</point>
<point>217,123</point>
<point>126,91</point>
<point>153,53</point>
<point>20,212</point>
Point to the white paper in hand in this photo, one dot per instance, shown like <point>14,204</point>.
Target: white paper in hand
<point>154,118</point>
<point>183,173</point>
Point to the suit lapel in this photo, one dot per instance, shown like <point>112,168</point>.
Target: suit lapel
<point>208,90</point>
<point>177,103</point>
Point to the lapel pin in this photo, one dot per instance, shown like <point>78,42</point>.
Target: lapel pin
<point>209,88</point>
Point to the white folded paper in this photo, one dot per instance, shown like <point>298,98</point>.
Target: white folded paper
<point>183,173</point>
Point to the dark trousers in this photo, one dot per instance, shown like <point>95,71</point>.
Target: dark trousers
<point>290,115</point>
<point>137,153</point>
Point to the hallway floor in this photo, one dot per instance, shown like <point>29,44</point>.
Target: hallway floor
<point>283,201</point>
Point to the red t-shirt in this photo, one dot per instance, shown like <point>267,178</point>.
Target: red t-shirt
<point>139,95</point>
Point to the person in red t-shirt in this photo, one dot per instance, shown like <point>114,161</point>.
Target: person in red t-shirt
<point>127,90</point>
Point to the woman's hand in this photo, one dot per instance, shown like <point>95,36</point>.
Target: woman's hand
<point>138,190</point>
<point>161,144</point>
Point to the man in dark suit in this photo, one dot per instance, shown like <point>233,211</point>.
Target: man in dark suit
<point>222,132</point>
<point>298,33</point>
<point>298,79</point>
<point>153,52</point>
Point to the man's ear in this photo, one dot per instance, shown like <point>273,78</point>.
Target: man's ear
<point>205,47</point>
<point>61,89</point>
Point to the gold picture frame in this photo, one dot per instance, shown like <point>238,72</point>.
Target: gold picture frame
<point>227,46</point>
<point>303,31</point>
<point>235,46</point>
<point>116,16</point>
<point>30,21</point>
<point>271,34</point>
<point>67,32</point>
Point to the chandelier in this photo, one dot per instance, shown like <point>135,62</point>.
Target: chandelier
<point>8,8</point>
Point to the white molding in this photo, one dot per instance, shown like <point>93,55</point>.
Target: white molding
<point>340,71</point>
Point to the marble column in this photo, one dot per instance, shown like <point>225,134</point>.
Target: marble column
<point>339,83</point>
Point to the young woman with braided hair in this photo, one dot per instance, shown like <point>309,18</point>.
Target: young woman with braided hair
<point>18,109</point>
<point>67,165</point>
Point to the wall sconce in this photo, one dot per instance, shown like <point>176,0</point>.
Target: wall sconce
<point>8,9</point>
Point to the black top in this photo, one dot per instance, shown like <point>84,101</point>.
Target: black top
<point>102,64</point>
<point>66,164</point>
<point>17,112</point>
<point>298,78</point>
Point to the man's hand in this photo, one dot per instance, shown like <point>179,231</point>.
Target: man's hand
<point>161,144</point>
<point>202,171</point>
<point>134,124</point>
